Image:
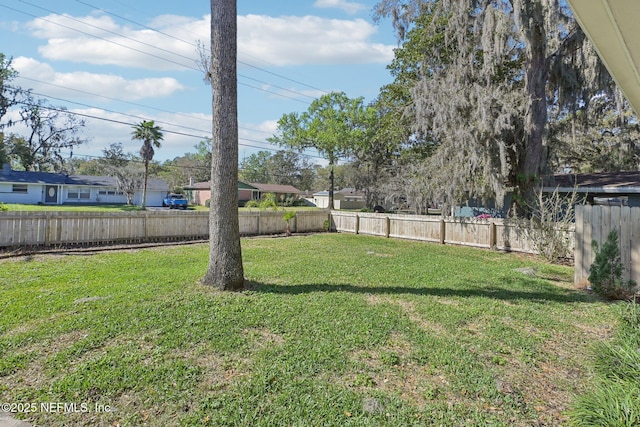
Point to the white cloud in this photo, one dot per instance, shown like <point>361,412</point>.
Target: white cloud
<point>285,40</point>
<point>347,6</point>
<point>293,40</point>
<point>102,41</point>
<point>42,77</point>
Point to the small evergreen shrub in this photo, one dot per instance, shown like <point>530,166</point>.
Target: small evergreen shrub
<point>605,274</point>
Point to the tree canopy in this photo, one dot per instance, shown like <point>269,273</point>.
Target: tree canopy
<point>334,125</point>
<point>482,77</point>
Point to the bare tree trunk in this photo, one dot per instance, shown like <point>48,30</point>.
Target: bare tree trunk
<point>331,182</point>
<point>144,187</point>
<point>225,270</point>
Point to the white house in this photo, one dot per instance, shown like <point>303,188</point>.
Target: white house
<point>57,189</point>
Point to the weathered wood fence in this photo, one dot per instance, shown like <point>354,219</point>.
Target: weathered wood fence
<point>595,223</point>
<point>483,233</point>
<point>94,228</point>
<point>592,223</point>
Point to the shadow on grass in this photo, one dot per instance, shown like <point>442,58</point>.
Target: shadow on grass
<point>536,294</point>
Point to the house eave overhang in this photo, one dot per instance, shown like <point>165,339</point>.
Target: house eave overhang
<point>594,190</point>
<point>612,26</point>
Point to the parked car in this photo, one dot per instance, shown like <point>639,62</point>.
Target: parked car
<point>175,201</point>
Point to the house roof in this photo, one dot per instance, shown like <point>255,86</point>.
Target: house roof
<point>352,192</point>
<point>265,188</point>
<point>21,177</point>
<point>206,185</point>
<point>275,188</point>
<point>48,178</point>
<point>612,26</point>
<point>604,182</point>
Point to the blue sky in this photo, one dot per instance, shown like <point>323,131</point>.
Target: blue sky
<point>127,61</point>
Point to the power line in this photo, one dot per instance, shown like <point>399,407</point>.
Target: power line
<point>196,46</point>
<point>89,116</point>
<point>149,45</point>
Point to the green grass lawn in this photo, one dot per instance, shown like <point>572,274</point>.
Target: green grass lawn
<point>119,208</point>
<point>71,208</point>
<point>336,330</point>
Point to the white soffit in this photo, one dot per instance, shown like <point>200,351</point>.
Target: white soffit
<point>613,26</point>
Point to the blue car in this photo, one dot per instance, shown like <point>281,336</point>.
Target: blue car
<point>175,201</point>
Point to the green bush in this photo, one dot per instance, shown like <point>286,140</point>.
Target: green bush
<point>3,207</point>
<point>612,403</point>
<point>288,216</point>
<point>615,400</point>
<point>605,274</point>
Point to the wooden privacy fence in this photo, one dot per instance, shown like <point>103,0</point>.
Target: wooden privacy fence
<point>595,223</point>
<point>89,228</point>
<point>483,233</point>
<point>95,228</point>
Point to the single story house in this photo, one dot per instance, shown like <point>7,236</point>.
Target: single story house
<point>57,189</point>
<point>200,192</point>
<point>604,188</point>
<point>347,198</point>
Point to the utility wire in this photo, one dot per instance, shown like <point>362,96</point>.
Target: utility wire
<point>196,46</point>
<point>135,104</point>
<point>193,68</point>
<point>89,116</point>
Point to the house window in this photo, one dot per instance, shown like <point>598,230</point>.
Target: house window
<point>20,188</point>
<point>110,193</point>
<point>79,193</point>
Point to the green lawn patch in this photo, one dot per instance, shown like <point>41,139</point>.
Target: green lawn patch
<point>71,208</point>
<point>335,330</point>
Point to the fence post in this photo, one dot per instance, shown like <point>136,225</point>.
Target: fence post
<point>443,230</point>
<point>47,229</point>
<point>492,235</point>
<point>146,224</point>
<point>387,231</point>
<point>357,224</point>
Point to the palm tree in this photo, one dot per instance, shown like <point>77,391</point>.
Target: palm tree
<point>150,135</point>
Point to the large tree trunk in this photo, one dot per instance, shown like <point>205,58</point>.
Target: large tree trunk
<point>537,74</point>
<point>225,270</point>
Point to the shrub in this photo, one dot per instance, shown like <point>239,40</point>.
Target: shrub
<point>252,204</point>
<point>288,216</point>
<point>605,274</point>
<point>550,215</point>
<point>3,207</point>
<point>269,200</point>
<point>615,400</point>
